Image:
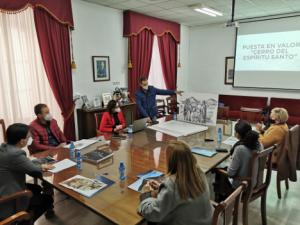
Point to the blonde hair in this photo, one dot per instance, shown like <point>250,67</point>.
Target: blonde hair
<point>280,114</point>
<point>190,180</point>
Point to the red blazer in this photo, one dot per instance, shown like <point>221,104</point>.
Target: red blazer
<point>40,137</point>
<point>108,122</point>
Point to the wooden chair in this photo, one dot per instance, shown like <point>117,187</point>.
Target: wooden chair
<point>229,208</point>
<point>18,216</point>
<point>292,141</point>
<point>171,104</point>
<point>161,108</point>
<point>258,182</point>
<point>3,129</point>
<point>98,117</point>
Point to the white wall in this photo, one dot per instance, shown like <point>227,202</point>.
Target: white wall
<point>209,45</point>
<point>98,32</point>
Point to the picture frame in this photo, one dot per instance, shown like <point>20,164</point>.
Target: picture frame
<point>229,70</point>
<point>106,97</point>
<point>101,68</point>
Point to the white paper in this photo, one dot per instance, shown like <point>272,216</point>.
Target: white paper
<point>82,143</point>
<point>62,165</point>
<point>178,128</point>
<point>83,185</point>
<point>231,141</point>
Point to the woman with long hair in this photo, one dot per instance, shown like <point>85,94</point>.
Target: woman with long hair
<point>183,196</point>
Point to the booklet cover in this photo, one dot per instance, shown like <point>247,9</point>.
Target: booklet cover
<point>97,155</point>
<point>203,152</point>
<point>83,185</point>
<point>144,178</point>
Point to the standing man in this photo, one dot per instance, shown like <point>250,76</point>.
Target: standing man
<point>44,131</point>
<point>146,99</point>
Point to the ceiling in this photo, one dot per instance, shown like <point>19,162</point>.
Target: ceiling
<point>179,10</point>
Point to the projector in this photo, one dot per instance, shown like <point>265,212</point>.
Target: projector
<point>232,24</point>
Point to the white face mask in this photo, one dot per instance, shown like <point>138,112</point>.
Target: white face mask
<point>48,117</point>
<point>146,87</point>
<point>117,110</point>
<point>29,141</point>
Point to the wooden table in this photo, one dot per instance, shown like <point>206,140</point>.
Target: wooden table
<point>141,152</point>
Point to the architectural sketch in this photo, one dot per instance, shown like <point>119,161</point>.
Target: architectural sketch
<point>199,108</point>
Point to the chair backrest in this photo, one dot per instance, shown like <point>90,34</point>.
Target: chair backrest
<point>3,129</point>
<point>171,104</point>
<point>258,179</point>
<point>294,143</point>
<point>227,210</point>
<point>98,117</point>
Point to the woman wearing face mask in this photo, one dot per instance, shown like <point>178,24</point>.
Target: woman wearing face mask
<point>241,154</point>
<point>14,166</point>
<point>276,133</point>
<point>113,119</point>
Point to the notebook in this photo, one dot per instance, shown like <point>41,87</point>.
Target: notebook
<point>97,155</point>
<point>204,152</point>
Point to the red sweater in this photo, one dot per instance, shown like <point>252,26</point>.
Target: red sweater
<point>108,122</point>
<point>40,136</point>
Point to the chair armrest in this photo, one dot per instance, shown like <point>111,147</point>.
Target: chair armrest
<point>16,217</point>
<point>221,171</point>
<point>25,193</point>
<point>214,204</point>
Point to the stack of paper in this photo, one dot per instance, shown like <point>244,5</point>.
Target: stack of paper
<point>62,165</point>
<point>82,143</point>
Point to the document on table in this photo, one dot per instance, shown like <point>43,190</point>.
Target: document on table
<point>177,128</point>
<point>230,141</point>
<point>82,143</point>
<point>62,165</point>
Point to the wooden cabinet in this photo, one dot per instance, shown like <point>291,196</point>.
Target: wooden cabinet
<point>87,123</point>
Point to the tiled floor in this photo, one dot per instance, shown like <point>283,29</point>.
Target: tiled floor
<point>280,212</point>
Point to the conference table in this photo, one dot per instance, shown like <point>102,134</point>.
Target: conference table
<point>141,152</point>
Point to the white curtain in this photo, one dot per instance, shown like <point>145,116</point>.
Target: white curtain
<point>156,76</point>
<point>23,81</point>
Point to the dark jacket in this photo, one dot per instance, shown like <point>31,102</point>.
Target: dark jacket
<point>14,165</point>
<point>146,100</point>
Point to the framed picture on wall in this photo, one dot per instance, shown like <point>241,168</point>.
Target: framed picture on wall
<point>229,69</point>
<point>106,97</point>
<point>101,70</point>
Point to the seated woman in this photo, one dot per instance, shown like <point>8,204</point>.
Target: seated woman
<point>183,196</point>
<point>276,133</point>
<point>112,120</point>
<point>241,153</point>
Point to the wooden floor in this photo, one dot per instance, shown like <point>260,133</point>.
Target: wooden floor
<point>280,212</point>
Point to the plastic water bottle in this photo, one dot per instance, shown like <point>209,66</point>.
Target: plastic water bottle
<point>72,151</point>
<point>219,136</point>
<point>130,129</point>
<point>122,171</point>
<point>78,159</point>
<point>174,116</point>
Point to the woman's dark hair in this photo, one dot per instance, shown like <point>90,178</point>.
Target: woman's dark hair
<point>112,104</point>
<point>248,137</point>
<point>16,132</point>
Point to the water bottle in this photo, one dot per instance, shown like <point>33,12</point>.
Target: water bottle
<point>130,129</point>
<point>72,151</point>
<point>219,136</point>
<point>174,116</point>
<point>122,171</point>
<point>78,159</point>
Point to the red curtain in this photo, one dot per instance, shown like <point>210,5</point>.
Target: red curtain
<point>54,44</point>
<point>140,48</point>
<point>61,10</point>
<point>168,55</point>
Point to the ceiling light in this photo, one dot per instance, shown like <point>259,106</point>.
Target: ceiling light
<point>212,11</point>
<point>205,12</point>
